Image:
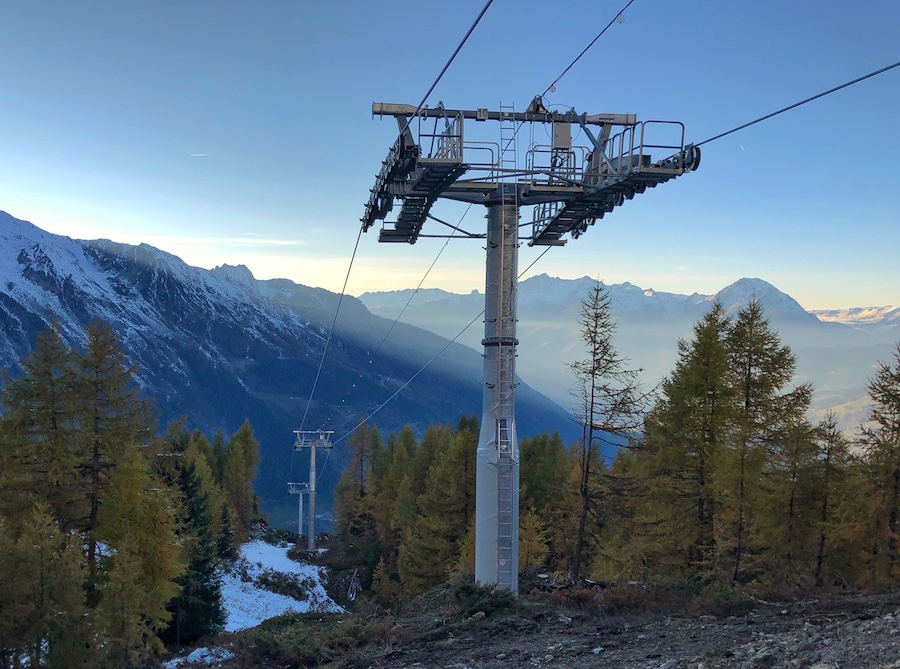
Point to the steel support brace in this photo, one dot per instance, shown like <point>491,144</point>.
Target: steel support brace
<point>497,464</point>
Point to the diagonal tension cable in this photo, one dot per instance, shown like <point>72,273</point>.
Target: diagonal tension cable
<point>593,41</point>
<point>798,104</point>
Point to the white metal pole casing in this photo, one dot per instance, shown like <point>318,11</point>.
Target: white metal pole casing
<point>311,544</point>
<point>497,463</point>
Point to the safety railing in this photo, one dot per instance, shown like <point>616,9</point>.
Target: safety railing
<point>445,145</point>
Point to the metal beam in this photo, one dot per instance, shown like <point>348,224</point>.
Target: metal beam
<point>408,111</point>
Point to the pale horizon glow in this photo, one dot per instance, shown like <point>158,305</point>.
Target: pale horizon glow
<point>235,134</point>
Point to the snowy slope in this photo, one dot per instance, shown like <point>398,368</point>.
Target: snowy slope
<point>247,604</point>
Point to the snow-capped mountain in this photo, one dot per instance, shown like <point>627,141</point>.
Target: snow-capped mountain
<point>865,316</point>
<point>220,346</point>
<point>837,353</point>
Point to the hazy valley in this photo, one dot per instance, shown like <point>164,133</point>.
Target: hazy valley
<point>836,350</point>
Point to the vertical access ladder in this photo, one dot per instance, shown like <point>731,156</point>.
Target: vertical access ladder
<point>507,452</point>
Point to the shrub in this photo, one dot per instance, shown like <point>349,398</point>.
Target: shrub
<point>289,585</point>
<point>302,640</point>
<point>471,598</point>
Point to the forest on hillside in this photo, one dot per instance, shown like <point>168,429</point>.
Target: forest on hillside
<point>720,481</point>
<point>111,536</point>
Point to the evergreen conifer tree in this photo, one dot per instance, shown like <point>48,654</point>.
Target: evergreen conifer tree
<point>225,548</point>
<point>198,610</point>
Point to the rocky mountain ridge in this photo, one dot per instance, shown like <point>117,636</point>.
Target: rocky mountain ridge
<point>542,291</point>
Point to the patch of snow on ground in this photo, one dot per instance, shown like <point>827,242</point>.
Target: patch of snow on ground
<point>247,605</point>
<point>207,657</point>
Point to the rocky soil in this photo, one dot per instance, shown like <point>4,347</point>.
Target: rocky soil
<point>856,632</point>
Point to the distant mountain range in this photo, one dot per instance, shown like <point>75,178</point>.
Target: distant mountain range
<point>861,316</point>
<point>836,350</point>
<point>220,346</point>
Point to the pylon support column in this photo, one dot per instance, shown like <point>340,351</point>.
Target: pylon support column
<point>497,463</point>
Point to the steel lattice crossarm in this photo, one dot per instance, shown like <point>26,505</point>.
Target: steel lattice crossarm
<point>569,186</point>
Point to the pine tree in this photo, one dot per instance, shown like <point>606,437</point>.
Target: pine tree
<point>198,610</point>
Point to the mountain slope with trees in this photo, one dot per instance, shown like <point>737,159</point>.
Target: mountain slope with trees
<point>724,482</point>
<point>222,347</point>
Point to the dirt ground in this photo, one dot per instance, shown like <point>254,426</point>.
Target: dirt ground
<point>856,632</point>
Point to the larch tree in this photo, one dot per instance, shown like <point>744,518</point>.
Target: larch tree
<point>881,443</point>
<point>672,475</point>
<point>789,506</point>
<point>138,571</point>
<point>39,461</point>
<point>239,469</point>
<point>430,513</point>
<point>760,369</point>
<point>111,420</point>
<point>833,460</point>
<point>44,619</point>
<point>609,405</point>
<point>354,496</point>
<point>546,491</point>
<point>387,486</point>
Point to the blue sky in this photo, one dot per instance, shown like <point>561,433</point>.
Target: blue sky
<point>237,132</point>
